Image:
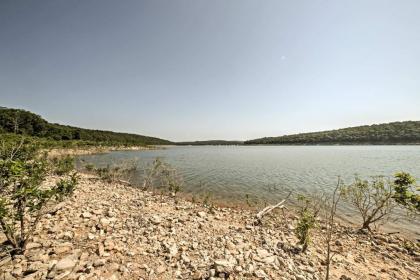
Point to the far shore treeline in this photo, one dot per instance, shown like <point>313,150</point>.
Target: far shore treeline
<point>407,132</point>
<point>20,122</point>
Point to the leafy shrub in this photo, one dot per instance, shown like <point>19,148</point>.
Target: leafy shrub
<point>162,176</point>
<point>117,172</point>
<point>373,199</point>
<point>89,167</point>
<point>63,165</point>
<point>307,214</point>
<point>66,187</point>
<point>406,194</point>
<point>23,199</point>
<point>377,199</point>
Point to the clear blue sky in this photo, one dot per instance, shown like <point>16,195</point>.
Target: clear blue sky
<point>215,69</point>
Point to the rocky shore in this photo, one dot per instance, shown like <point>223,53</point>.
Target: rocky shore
<point>114,231</point>
<point>59,152</point>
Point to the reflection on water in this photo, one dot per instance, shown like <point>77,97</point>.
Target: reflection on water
<point>269,172</point>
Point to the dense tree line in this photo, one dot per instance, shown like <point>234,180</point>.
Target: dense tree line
<point>18,121</point>
<point>391,133</point>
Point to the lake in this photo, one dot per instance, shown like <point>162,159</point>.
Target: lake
<point>268,173</point>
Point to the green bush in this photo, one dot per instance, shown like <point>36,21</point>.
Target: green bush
<point>307,214</point>
<point>406,194</point>
<point>63,165</point>
<point>23,198</point>
<point>116,172</point>
<point>377,199</point>
<point>65,187</point>
<point>89,167</point>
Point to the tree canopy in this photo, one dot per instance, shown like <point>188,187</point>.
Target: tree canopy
<point>407,132</point>
<point>26,123</point>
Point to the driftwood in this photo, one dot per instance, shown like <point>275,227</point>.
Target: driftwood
<point>124,182</point>
<point>268,209</point>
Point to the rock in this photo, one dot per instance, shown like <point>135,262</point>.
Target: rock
<point>105,222</point>
<point>5,261</point>
<point>101,250</point>
<point>260,274</point>
<point>36,266</point>
<point>300,277</point>
<point>269,260</point>
<point>224,265</point>
<point>262,253</point>
<point>185,258</point>
<point>33,245</point>
<point>160,269</point>
<point>201,214</point>
<point>86,215</point>
<point>99,262</point>
<point>65,264</point>
<point>173,250</point>
<point>238,268</point>
<point>155,219</point>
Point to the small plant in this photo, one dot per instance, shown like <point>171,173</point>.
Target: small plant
<point>248,200</point>
<point>307,214</point>
<point>64,165</point>
<point>117,172</point>
<point>170,179</point>
<point>207,199</point>
<point>66,187</point>
<point>89,167</point>
<point>151,174</point>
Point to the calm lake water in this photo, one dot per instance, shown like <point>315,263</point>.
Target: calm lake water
<point>268,173</point>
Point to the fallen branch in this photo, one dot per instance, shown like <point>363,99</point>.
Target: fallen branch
<point>124,182</point>
<point>268,209</point>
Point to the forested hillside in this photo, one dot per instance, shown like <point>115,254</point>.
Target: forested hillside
<point>390,133</point>
<point>23,122</point>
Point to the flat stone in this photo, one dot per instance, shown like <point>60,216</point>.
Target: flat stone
<point>155,219</point>
<point>33,245</point>
<point>65,264</point>
<point>201,214</point>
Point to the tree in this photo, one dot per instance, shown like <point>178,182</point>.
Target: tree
<point>329,212</point>
<point>376,199</point>
<point>406,194</point>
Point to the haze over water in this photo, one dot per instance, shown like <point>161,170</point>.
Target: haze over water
<point>268,173</point>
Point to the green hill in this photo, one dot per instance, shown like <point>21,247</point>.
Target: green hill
<point>23,122</point>
<point>407,132</point>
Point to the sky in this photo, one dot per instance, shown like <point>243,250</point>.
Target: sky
<point>216,69</point>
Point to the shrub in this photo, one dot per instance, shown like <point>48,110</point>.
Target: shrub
<point>23,199</point>
<point>377,199</point>
<point>406,194</point>
<point>64,165</point>
<point>89,167</point>
<point>117,172</point>
<point>307,214</point>
<point>65,187</point>
<point>328,213</point>
<point>373,199</point>
<point>162,176</point>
